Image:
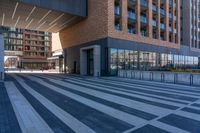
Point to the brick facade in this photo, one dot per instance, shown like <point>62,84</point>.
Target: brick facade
<point>100,24</point>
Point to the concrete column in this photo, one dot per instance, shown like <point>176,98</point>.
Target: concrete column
<point>65,60</point>
<point>1,57</point>
<point>97,61</point>
<point>83,62</point>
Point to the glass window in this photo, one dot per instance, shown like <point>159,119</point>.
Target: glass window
<point>133,60</point>
<point>127,59</point>
<point>121,59</point>
<point>113,61</point>
<point>164,60</point>
<point>170,60</point>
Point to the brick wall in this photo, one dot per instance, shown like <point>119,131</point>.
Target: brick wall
<point>100,24</point>
<point>92,28</point>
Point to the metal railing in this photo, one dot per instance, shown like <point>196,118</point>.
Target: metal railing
<point>164,77</point>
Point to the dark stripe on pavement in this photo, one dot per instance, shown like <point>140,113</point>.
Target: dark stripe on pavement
<point>149,129</point>
<point>182,123</point>
<point>54,123</point>
<point>176,96</point>
<point>153,84</point>
<point>95,119</point>
<point>196,105</point>
<point>129,91</point>
<point>130,97</point>
<point>8,119</point>
<point>191,110</point>
<point>135,112</point>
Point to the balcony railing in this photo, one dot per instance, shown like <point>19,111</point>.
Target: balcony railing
<point>144,3</point>
<point>117,10</point>
<point>131,30</point>
<point>175,31</point>
<point>170,29</point>
<point>154,8</point>
<point>170,16</point>
<point>174,18</point>
<point>154,23</point>
<point>131,15</point>
<point>133,1</point>
<point>162,26</point>
<point>117,27</point>
<point>162,11</point>
<point>143,19</point>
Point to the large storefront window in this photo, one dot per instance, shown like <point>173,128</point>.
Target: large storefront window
<point>113,61</point>
<point>144,60</point>
<point>127,59</point>
<point>196,62</point>
<point>164,60</point>
<point>147,60</point>
<point>121,59</point>
<point>170,61</point>
<point>133,60</point>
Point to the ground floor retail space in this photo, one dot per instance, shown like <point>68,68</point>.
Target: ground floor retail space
<point>107,56</point>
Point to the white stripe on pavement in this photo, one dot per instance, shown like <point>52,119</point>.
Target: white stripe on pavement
<point>133,120</point>
<point>120,91</point>
<point>116,99</point>
<point>29,120</point>
<point>68,119</point>
<point>142,87</point>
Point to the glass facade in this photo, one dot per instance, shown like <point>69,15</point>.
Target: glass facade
<point>144,60</point>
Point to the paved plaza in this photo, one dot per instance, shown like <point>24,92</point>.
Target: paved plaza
<point>47,103</point>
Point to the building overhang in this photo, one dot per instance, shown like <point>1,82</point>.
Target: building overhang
<point>42,15</point>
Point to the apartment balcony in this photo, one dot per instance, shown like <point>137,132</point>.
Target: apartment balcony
<point>162,26</point>
<point>144,3</point>
<point>175,31</point>
<point>175,5</point>
<point>131,16</point>
<point>131,31</point>
<point>117,27</point>
<point>170,2</point>
<point>170,29</point>
<point>162,12</point>
<point>143,19</point>
<point>117,10</point>
<point>154,8</point>
<point>175,18</point>
<point>132,2</point>
<point>170,16</point>
<point>154,23</point>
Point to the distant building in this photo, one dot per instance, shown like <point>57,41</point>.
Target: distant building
<point>190,24</point>
<point>26,48</point>
<point>56,62</point>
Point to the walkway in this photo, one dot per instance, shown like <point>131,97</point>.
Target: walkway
<point>68,103</point>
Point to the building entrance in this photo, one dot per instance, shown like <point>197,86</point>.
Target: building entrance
<point>90,60</point>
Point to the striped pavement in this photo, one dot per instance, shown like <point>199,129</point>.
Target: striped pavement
<point>45,103</point>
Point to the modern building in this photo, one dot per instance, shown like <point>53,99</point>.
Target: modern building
<point>99,37</point>
<point>127,34</point>
<point>27,49</point>
<point>190,20</point>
